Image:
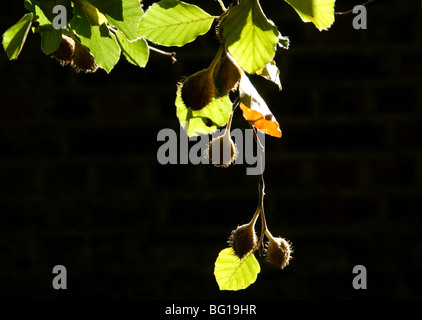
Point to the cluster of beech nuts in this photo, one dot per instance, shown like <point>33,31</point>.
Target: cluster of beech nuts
<point>244,242</point>
<point>199,90</point>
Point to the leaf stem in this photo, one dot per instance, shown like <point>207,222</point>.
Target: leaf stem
<point>172,55</point>
<point>216,59</point>
<point>223,7</point>
<point>264,229</point>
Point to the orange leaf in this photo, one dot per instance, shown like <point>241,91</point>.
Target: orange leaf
<point>269,127</point>
<point>256,110</point>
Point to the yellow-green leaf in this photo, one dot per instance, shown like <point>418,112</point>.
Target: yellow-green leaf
<point>132,14</point>
<point>135,52</point>
<point>94,16</point>
<point>207,119</point>
<point>319,12</point>
<point>249,36</point>
<point>14,37</point>
<point>174,23</point>
<point>101,43</point>
<point>233,273</point>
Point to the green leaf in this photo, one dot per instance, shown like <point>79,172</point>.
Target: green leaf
<point>43,23</point>
<point>174,23</point>
<point>250,37</point>
<point>319,12</point>
<point>50,40</point>
<point>48,5</point>
<point>132,14</point>
<point>113,8</point>
<point>29,5</point>
<point>14,37</point>
<point>94,16</point>
<point>100,42</point>
<point>233,273</point>
<point>136,52</point>
<point>207,119</point>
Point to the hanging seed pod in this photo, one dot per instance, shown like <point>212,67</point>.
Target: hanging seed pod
<point>64,53</point>
<point>243,240</point>
<point>222,151</point>
<point>83,61</point>
<point>228,73</point>
<point>198,90</point>
<point>278,252</point>
<point>219,27</point>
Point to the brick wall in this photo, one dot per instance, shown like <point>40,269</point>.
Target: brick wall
<point>80,184</point>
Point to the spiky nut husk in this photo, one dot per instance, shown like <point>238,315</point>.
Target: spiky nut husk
<point>83,60</point>
<point>225,151</point>
<point>243,240</point>
<point>219,28</point>
<point>228,73</point>
<point>278,252</point>
<point>198,90</point>
<point>64,53</point>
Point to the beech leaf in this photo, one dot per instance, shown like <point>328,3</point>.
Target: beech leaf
<point>232,273</point>
<point>14,37</point>
<point>135,52</point>
<point>206,120</point>
<point>174,23</point>
<point>319,12</point>
<point>249,36</point>
<point>255,109</point>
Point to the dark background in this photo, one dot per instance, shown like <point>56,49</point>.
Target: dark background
<point>80,184</point>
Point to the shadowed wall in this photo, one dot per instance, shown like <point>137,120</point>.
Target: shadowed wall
<point>80,184</point>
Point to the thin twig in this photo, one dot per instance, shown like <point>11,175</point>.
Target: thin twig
<point>261,188</point>
<point>261,192</point>
<point>351,11</point>
<point>172,55</point>
<point>236,103</point>
<point>222,5</point>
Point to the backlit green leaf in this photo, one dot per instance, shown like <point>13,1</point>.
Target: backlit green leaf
<point>100,42</point>
<point>132,14</point>
<point>207,119</point>
<point>14,37</point>
<point>174,23</point>
<point>250,37</point>
<point>50,40</point>
<point>319,12</point>
<point>47,7</point>
<point>94,16</point>
<point>113,8</point>
<point>233,273</point>
<point>42,22</point>
<point>29,5</point>
<point>136,52</point>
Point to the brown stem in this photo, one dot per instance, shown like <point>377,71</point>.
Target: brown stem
<point>261,193</point>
